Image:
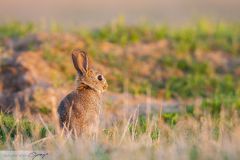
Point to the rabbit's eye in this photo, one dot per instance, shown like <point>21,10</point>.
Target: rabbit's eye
<point>100,77</point>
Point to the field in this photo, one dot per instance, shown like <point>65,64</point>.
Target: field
<point>173,91</point>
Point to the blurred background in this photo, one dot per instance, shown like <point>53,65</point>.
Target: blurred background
<point>95,13</point>
<point>188,52</point>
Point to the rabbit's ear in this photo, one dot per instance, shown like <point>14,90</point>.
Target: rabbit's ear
<point>80,61</point>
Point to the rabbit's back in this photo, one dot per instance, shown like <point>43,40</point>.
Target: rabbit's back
<point>80,110</point>
<point>64,109</point>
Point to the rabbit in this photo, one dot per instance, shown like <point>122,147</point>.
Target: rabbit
<point>79,110</point>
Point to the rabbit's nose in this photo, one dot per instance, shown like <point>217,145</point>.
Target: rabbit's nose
<point>105,86</point>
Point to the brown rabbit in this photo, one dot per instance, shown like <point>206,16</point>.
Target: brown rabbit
<point>79,110</point>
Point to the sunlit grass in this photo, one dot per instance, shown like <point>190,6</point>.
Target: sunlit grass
<point>188,135</point>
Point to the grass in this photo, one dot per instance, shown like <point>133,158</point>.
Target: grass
<point>15,30</point>
<point>173,136</point>
<point>11,128</point>
<point>204,35</point>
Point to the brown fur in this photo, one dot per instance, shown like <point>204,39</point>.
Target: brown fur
<point>79,110</point>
